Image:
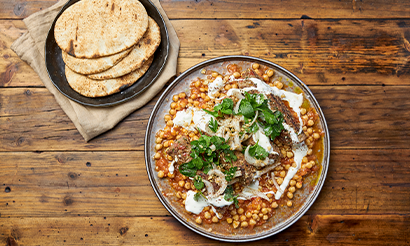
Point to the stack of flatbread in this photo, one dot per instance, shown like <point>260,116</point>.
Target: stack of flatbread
<point>107,45</point>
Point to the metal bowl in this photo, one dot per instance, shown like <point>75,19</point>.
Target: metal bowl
<point>284,217</point>
<point>56,67</point>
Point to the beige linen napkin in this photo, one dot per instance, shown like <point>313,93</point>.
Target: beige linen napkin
<point>89,121</point>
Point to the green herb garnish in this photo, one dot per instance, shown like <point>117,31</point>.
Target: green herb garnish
<point>226,107</point>
<point>213,125</point>
<point>230,196</point>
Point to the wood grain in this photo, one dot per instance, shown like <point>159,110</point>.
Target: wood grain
<point>246,9</point>
<point>320,52</point>
<point>357,117</point>
<point>67,184</point>
<point>310,230</point>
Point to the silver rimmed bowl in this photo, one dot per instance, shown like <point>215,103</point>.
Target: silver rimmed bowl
<point>284,217</point>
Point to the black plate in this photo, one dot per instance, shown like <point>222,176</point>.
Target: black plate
<point>56,67</point>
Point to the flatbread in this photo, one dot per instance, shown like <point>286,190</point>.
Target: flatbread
<point>144,49</point>
<point>97,28</point>
<point>95,65</point>
<point>99,88</point>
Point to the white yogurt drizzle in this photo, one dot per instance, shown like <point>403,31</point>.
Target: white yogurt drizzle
<point>191,118</point>
<point>196,207</point>
<point>300,151</point>
<point>215,86</point>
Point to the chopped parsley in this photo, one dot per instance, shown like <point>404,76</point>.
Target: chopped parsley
<point>230,196</point>
<point>270,122</point>
<point>226,107</point>
<point>203,156</point>
<point>229,174</point>
<point>213,125</point>
<point>258,152</point>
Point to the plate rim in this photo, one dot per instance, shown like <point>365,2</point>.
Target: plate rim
<point>295,216</point>
<point>132,95</point>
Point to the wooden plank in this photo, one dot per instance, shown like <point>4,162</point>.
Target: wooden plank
<point>247,9</point>
<point>320,52</point>
<point>310,230</point>
<point>67,184</point>
<point>357,116</point>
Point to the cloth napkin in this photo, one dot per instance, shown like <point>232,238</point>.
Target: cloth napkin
<point>89,121</point>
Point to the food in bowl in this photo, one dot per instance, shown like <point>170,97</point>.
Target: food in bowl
<point>238,146</point>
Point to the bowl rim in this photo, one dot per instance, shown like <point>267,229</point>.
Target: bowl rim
<point>311,198</point>
<point>132,95</point>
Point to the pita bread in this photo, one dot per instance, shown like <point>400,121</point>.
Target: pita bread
<point>99,88</point>
<point>96,65</point>
<point>144,49</point>
<point>97,28</point>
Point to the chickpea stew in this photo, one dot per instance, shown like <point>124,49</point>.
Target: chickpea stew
<point>239,149</point>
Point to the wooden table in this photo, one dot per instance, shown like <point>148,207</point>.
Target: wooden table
<point>355,57</point>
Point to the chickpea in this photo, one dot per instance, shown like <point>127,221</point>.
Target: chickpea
<point>278,84</point>
<point>181,183</point>
<point>215,74</point>
<point>182,95</point>
<point>316,135</point>
<point>269,72</point>
<point>279,181</point>
<point>303,111</point>
<point>287,166</point>
<point>187,185</point>
<point>171,175</point>
<point>310,151</point>
<point>157,156</point>
<point>203,95</point>
<point>248,214</point>
<point>205,82</point>
<point>233,212</point>
<point>195,138</point>
<point>173,112</point>
<point>290,195</point>
<point>252,222</point>
<point>235,224</point>
<point>215,219</point>
<point>274,205</point>
<point>240,211</point>
<point>196,104</point>
<point>265,217</point>
<point>183,196</point>
<point>299,185</point>
<point>236,217</point>
<point>255,66</point>
<point>255,216</point>
<point>260,215</point>
<point>178,195</point>
<point>182,104</point>
<point>235,86</point>
<point>227,87</point>
<point>282,174</point>
<point>207,215</point>
<point>158,146</point>
<point>170,123</point>
<point>244,224</point>
<point>193,96</point>
<point>236,75</point>
<point>264,210</point>
<point>198,220</point>
<point>311,122</point>
<point>292,189</point>
<point>309,130</point>
<point>243,217</point>
<point>197,83</point>
<point>229,220</point>
<point>161,174</point>
<point>265,77</point>
<point>269,195</point>
<point>289,203</point>
<point>175,98</point>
